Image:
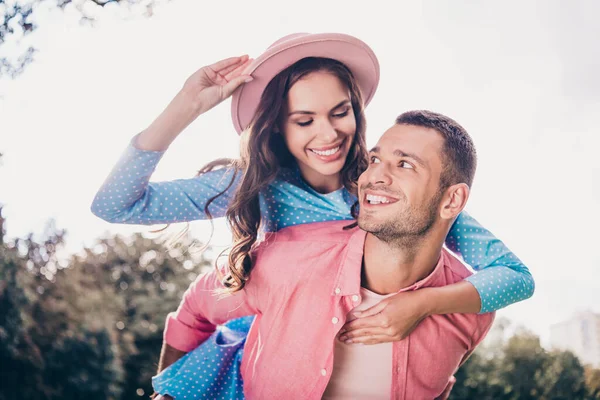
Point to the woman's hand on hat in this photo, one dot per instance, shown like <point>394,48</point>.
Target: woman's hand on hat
<point>212,84</point>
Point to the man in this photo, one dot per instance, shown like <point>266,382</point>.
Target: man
<point>308,280</point>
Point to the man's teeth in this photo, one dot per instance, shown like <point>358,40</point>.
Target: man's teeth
<point>326,152</point>
<point>372,199</point>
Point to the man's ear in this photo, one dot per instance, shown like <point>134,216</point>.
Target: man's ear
<point>454,200</point>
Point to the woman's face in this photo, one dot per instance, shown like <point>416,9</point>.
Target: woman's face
<point>318,127</point>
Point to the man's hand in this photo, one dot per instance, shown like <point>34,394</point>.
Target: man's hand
<point>390,320</point>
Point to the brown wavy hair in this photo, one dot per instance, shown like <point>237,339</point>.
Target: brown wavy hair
<point>263,152</point>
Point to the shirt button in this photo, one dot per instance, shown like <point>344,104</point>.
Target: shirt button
<point>338,290</point>
<point>323,372</point>
<point>355,298</point>
<point>335,320</point>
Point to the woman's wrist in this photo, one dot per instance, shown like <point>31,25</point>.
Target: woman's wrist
<point>460,297</point>
<point>430,302</point>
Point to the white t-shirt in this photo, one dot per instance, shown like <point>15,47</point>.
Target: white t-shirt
<point>361,371</point>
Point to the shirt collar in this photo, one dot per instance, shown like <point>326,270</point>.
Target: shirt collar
<point>348,277</point>
<point>349,273</point>
<point>434,278</point>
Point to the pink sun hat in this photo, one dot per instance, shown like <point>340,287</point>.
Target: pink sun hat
<point>352,52</point>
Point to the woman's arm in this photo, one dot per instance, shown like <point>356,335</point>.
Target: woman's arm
<point>203,90</point>
<point>128,197</point>
<point>502,278</point>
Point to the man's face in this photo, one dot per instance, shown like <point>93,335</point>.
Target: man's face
<point>399,193</point>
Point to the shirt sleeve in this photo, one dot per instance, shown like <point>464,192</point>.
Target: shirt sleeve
<point>128,197</point>
<point>502,279</point>
<point>202,308</point>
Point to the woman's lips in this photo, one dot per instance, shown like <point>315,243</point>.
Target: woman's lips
<point>329,153</point>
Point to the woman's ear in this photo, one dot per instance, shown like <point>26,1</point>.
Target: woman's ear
<point>454,200</point>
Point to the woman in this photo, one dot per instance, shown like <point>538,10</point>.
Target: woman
<point>299,109</point>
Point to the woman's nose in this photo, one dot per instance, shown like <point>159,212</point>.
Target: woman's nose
<point>327,132</point>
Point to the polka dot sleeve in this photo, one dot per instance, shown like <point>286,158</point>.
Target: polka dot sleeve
<point>128,197</point>
<point>502,279</point>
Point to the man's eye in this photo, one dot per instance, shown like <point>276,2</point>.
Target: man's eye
<point>404,164</point>
<point>375,160</point>
<point>305,123</point>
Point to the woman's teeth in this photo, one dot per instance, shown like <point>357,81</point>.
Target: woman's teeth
<point>372,199</point>
<point>326,152</point>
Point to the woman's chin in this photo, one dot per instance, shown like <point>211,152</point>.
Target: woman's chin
<point>332,170</point>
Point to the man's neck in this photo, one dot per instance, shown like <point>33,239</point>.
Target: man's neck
<point>389,267</point>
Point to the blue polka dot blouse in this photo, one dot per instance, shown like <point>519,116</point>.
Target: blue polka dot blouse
<point>127,196</point>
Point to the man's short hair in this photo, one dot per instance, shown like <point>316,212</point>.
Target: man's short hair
<point>459,158</point>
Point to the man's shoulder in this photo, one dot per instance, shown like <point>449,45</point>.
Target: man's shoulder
<point>334,232</point>
<point>308,247</point>
<point>458,271</point>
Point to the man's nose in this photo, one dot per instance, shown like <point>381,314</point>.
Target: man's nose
<point>379,174</point>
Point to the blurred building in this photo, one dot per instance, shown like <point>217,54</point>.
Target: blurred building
<point>581,335</point>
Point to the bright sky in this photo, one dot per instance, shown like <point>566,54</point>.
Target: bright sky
<point>520,76</point>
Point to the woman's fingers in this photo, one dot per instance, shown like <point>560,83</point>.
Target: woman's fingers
<point>369,312</point>
<point>222,65</point>
<point>362,323</point>
<point>363,332</point>
<point>227,70</point>
<point>370,339</point>
<point>238,70</point>
<point>233,84</point>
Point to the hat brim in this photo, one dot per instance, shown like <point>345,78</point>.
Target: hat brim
<point>350,51</point>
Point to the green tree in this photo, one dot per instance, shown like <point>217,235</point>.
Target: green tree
<point>592,382</point>
<point>563,377</point>
<point>521,369</point>
<point>89,326</point>
<point>478,378</point>
<point>21,360</point>
<point>523,366</point>
<point>62,331</point>
<point>140,282</point>
<point>41,330</point>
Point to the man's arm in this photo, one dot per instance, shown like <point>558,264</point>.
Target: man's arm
<point>202,307</point>
<point>200,310</point>
<point>168,356</point>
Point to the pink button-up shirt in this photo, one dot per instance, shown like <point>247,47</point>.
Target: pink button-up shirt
<point>305,280</point>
